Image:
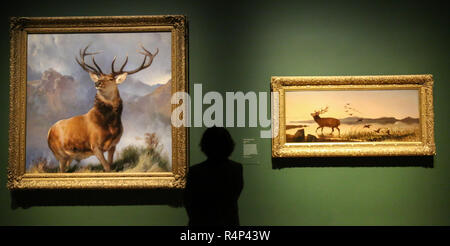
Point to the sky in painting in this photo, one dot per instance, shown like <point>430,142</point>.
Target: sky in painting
<point>360,103</point>
<point>58,51</point>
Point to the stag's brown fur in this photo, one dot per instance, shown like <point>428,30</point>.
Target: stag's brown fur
<point>79,137</point>
<point>100,129</point>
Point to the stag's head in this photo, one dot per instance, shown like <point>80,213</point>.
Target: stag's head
<point>106,83</point>
<point>319,112</point>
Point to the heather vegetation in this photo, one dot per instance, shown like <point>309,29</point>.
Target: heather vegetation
<point>133,158</point>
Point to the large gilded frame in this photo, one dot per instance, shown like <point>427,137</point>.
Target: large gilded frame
<point>19,29</point>
<point>424,83</point>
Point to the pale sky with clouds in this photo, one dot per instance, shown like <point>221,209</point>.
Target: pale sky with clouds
<point>369,103</point>
<point>58,51</point>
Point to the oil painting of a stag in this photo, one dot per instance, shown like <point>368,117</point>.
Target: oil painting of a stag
<point>91,95</point>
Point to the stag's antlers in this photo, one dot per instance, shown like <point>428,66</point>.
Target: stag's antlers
<point>321,111</point>
<point>146,54</point>
<point>97,70</point>
<point>86,67</point>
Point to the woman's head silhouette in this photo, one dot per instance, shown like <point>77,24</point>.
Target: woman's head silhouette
<point>217,143</point>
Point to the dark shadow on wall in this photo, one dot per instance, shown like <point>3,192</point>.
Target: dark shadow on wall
<point>390,161</point>
<point>30,198</point>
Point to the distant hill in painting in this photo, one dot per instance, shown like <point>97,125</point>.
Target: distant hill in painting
<point>358,120</point>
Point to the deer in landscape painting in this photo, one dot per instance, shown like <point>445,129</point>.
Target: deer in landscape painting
<point>325,122</point>
<point>100,129</point>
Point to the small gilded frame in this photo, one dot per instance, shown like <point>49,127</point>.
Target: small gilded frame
<point>345,116</point>
<point>76,122</point>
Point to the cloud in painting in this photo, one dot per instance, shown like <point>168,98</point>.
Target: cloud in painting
<point>58,51</point>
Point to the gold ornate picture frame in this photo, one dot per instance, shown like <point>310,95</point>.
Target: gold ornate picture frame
<point>169,50</point>
<point>345,116</point>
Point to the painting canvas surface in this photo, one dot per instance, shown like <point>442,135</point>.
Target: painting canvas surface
<point>352,115</point>
<point>58,88</point>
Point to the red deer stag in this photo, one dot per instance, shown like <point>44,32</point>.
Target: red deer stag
<point>100,129</point>
<point>325,122</point>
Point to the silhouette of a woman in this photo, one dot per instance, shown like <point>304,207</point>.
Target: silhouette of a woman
<point>213,186</point>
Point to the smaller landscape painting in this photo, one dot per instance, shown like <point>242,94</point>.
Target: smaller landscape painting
<point>352,115</point>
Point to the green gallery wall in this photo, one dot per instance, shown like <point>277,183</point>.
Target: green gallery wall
<point>238,46</point>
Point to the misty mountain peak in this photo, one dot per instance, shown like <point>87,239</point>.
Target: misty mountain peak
<point>50,74</point>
